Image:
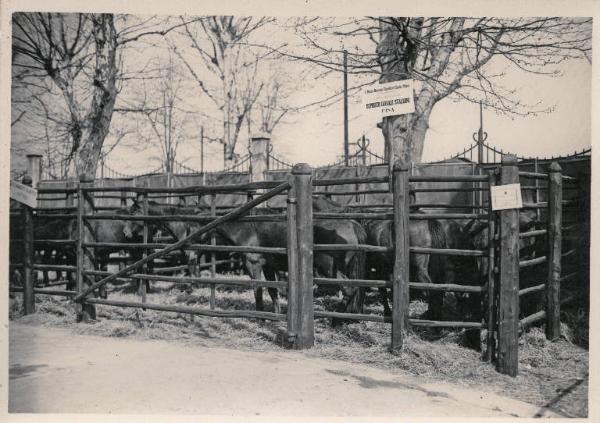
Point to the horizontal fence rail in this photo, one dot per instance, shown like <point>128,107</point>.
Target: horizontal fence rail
<point>471,189</point>
<point>248,314</point>
<point>249,283</point>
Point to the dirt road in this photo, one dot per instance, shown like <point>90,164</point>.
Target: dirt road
<point>55,371</point>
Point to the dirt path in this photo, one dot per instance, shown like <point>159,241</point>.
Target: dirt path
<point>55,371</point>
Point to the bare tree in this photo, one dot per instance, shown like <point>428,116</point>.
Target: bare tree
<point>219,43</point>
<point>81,55</point>
<point>460,58</point>
<point>166,116</point>
<point>273,105</point>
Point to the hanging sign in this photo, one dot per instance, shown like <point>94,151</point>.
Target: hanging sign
<point>390,98</point>
<point>23,194</point>
<point>506,197</point>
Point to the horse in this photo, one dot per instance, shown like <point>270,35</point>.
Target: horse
<point>111,231</point>
<point>422,233</point>
<point>474,234</point>
<point>332,264</point>
<point>175,229</point>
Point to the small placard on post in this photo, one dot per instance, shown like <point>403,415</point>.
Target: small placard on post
<point>389,99</point>
<point>506,197</point>
<point>23,194</point>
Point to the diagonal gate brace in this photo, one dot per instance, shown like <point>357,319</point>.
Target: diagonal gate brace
<point>229,216</point>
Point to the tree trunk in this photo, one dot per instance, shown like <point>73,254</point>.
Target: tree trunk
<point>403,134</point>
<point>104,94</point>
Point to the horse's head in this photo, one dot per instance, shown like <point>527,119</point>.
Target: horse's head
<point>254,263</point>
<point>321,203</point>
<point>412,195</point>
<point>528,246</point>
<point>133,228</point>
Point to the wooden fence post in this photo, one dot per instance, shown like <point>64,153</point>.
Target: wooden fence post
<point>142,198</point>
<point>508,303</point>
<point>28,253</point>
<point>554,251</point>
<point>305,330</point>
<point>492,306</point>
<point>400,286</point>
<point>85,312</point>
<point>70,202</point>
<point>213,257</point>
<point>292,255</point>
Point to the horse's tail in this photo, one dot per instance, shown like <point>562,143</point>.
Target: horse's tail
<point>438,236</point>
<point>438,263</point>
<point>357,262</point>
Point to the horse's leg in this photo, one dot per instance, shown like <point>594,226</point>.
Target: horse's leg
<point>46,260</point>
<point>474,313</point>
<point>192,264</point>
<point>353,297</point>
<point>258,297</point>
<point>436,298</point>
<point>103,264</point>
<point>255,270</point>
<point>472,308</point>
<point>387,311</point>
<point>43,259</point>
<point>72,260</point>
<point>150,270</point>
<point>272,275</point>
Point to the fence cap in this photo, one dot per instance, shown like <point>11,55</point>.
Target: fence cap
<point>86,177</point>
<point>301,169</point>
<point>27,180</point>
<point>261,136</point>
<point>555,167</point>
<point>400,166</point>
<point>509,159</point>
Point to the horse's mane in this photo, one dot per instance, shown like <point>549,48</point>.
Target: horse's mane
<point>265,210</point>
<point>157,209</point>
<point>323,204</point>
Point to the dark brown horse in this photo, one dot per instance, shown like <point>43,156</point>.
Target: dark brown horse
<point>474,234</point>
<point>112,231</point>
<point>337,264</point>
<point>174,229</point>
<point>422,233</point>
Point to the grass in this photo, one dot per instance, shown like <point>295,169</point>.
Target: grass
<point>550,373</point>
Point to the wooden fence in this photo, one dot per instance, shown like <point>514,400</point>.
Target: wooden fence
<point>500,287</point>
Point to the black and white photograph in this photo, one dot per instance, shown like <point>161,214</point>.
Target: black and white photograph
<point>296,210</point>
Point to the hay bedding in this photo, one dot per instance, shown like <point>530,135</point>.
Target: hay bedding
<point>552,374</point>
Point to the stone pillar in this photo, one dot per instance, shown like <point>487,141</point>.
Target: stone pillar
<point>34,168</point>
<point>259,151</point>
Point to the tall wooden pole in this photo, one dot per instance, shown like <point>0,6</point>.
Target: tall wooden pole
<point>292,254</point>
<point>86,311</point>
<point>508,307</point>
<point>202,149</point>
<point>143,199</point>
<point>492,308</point>
<point>554,251</point>
<point>346,146</point>
<point>28,253</point>
<point>305,329</point>
<point>400,286</point>
<point>213,257</point>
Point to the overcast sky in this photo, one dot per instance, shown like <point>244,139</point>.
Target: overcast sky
<point>316,136</point>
